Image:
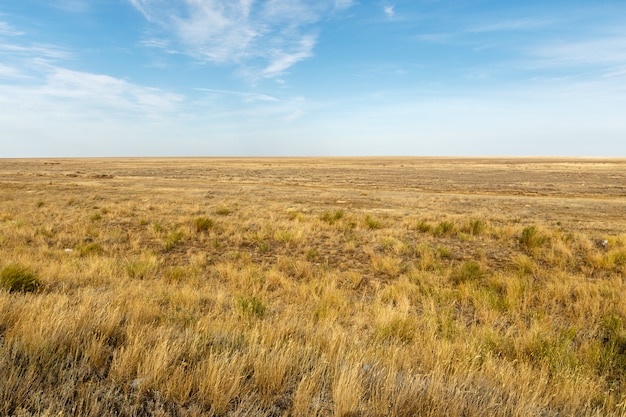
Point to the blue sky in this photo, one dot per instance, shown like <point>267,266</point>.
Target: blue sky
<point>312,77</point>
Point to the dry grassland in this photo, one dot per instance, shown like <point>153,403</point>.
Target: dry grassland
<point>313,287</point>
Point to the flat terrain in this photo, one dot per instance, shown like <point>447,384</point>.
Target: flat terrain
<point>587,193</point>
<point>314,286</point>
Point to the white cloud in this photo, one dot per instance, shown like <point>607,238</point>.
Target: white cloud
<point>264,39</point>
<point>511,25</point>
<point>608,50</point>
<point>246,96</point>
<point>78,95</point>
<point>38,50</point>
<point>11,72</point>
<point>389,11</point>
<point>344,4</point>
<point>8,30</point>
<point>73,6</point>
<point>281,60</point>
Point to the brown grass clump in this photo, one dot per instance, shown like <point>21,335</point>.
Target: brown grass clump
<point>358,297</point>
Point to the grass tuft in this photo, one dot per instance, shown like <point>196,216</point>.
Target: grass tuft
<point>468,271</point>
<point>531,239</point>
<point>372,223</point>
<point>203,224</point>
<point>251,306</point>
<point>16,277</point>
<point>444,228</point>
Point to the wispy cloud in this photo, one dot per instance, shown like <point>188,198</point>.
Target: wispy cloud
<point>264,39</point>
<point>436,37</point>
<point>511,25</point>
<point>389,11</point>
<point>8,30</point>
<point>11,72</point>
<point>73,6</point>
<point>606,51</point>
<point>246,96</point>
<point>35,50</point>
<point>62,97</point>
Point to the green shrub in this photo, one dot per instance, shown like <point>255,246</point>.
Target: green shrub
<point>251,307</point>
<point>331,218</point>
<point>444,228</point>
<point>469,271</point>
<point>203,224</point>
<point>172,239</point>
<point>423,226</point>
<point>93,248</point>
<point>531,238</point>
<point>476,227</point>
<point>16,277</point>
<point>372,223</point>
<point>223,211</point>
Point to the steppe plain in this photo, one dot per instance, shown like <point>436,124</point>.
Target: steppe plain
<point>313,286</point>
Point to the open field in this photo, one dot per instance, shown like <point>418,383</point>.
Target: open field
<point>328,287</point>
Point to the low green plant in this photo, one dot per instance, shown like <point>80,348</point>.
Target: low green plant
<point>16,277</point>
<point>251,306</point>
<point>444,252</point>
<point>284,236</point>
<point>531,238</point>
<point>423,226</point>
<point>142,268</point>
<point>372,223</point>
<point>331,218</point>
<point>468,271</point>
<point>475,227</point>
<point>223,211</point>
<point>92,248</point>
<point>444,228</point>
<point>172,239</point>
<point>203,224</point>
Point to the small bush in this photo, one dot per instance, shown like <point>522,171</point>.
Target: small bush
<point>203,224</point>
<point>444,228</point>
<point>18,278</point>
<point>372,223</point>
<point>172,239</point>
<point>90,249</point>
<point>444,252</point>
<point>223,211</point>
<point>469,271</point>
<point>331,218</point>
<point>251,307</point>
<point>157,227</point>
<point>423,226</point>
<point>531,238</point>
<point>476,227</point>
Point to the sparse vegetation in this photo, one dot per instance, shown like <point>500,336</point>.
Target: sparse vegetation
<point>372,223</point>
<point>15,277</point>
<point>400,303</point>
<point>223,211</point>
<point>444,228</point>
<point>203,224</point>
<point>331,218</point>
<point>531,238</point>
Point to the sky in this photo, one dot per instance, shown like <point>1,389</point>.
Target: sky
<point>312,78</point>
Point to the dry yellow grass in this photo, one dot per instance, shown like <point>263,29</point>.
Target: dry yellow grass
<point>314,287</point>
